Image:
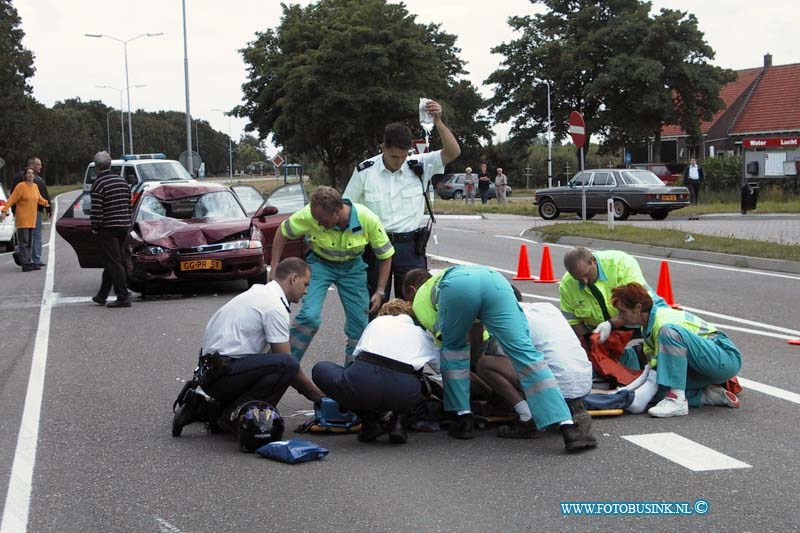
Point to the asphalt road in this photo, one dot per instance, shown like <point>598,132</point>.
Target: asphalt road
<point>105,460</point>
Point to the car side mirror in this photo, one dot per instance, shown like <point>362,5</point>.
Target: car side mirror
<point>265,211</point>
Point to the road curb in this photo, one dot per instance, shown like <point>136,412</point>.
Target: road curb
<point>741,261</point>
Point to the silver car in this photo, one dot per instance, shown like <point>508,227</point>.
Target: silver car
<point>632,191</point>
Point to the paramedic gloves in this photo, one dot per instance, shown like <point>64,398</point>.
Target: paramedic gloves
<point>604,329</point>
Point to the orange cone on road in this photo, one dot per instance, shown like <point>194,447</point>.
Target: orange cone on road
<point>546,271</point>
<point>523,268</point>
<point>664,288</point>
<point>795,342</point>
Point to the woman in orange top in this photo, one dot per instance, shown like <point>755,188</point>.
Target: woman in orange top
<point>27,198</point>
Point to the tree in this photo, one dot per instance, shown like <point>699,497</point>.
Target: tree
<point>627,72</point>
<point>660,75</point>
<point>569,46</point>
<point>329,78</point>
<point>16,66</point>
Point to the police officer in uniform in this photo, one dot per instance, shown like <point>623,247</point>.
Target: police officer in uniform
<point>391,185</point>
<point>338,231</point>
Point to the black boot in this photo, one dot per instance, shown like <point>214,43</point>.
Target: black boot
<point>573,440</point>
<point>462,427</point>
<point>397,429</point>
<point>371,428</point>
<point>582,418</point>
<point>193,408</point>
<point>518,430</point>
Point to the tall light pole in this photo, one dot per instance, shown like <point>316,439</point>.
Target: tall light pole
<point>549,135</point>
<point>230,143</point>
<point>108,131</point>
<point>127,81</point>
<point>189,161</point>
<point>121,115</point>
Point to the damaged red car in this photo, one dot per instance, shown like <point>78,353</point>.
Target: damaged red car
<point>191,232</point>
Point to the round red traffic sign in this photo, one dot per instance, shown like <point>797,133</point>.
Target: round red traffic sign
<point>577,129</point>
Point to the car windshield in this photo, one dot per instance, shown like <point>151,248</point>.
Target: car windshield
<point>163,171</point>
<point>91,173</point>
<point>288,199</point>
<point>640,177</point>
<point>249,196</point>
<point>220,204</point>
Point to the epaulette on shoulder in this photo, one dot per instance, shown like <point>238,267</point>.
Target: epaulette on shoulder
<point>365,165</point>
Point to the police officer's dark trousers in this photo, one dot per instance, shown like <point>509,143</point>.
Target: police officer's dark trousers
<point>262,377</point>
<point>405,258</point>
<point>366,387</point>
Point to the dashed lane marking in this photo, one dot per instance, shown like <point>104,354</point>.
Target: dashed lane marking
<point>685,452</point>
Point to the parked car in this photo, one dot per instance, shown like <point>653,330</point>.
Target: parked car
<point>669,174</point>
<point>141,171</point>
<point>451,186</point>
<point>191,232</point>
<point>6,226</point>
<point>633,191</point>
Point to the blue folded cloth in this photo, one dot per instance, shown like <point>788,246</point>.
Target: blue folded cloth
<point>292,451</point>
<point>619,400</point>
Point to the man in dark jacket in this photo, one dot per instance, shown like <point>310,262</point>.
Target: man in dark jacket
<point>36,250</point>
<point>692,179</point>
<point>111,217</point>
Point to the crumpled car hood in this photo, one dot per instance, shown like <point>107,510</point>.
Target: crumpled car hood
<point>172,233</point>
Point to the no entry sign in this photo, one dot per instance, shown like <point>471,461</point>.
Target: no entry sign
<point>577,129</point>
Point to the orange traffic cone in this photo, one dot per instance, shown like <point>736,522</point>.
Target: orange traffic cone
<point>523,268</point>
<point>665,285</point>
<point>795,342</point>
<point>546,271</point>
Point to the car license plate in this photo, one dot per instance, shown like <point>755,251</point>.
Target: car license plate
<point>670,197</point>
<point>201,264</point>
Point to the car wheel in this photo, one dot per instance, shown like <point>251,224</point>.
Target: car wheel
<point>548,210</point>
<point>137,286</point>
<point>261,278</point>
<point>659,215</point>
<point>589,216</point>
<point>458,195</point>
<point>621,210</point>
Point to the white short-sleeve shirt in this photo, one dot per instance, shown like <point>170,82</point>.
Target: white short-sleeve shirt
<point>250,322</point>
<point>396,197</point>
<point>398,338</point>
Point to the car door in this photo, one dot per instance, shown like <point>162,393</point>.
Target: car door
<point>287,200</point>
<point>250,198</point>
<point>75,227</point>
<point>599,191</point>
<point>570,200</point>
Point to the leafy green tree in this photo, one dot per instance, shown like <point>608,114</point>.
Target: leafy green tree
<point>330,77</point>
<point>627,72</point>
<point>16,66</point>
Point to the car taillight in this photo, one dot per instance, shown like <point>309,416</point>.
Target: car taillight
<point>135,196</point>
<point>2,203</point>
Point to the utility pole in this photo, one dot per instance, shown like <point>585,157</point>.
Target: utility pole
<point>527,177</point>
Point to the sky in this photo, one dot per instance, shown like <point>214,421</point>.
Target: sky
<point>69,64</point>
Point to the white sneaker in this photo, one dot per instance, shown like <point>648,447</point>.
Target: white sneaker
<point>669,407</point>
<point>716,395</point>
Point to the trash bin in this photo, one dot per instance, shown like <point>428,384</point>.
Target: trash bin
<point>749,197</point>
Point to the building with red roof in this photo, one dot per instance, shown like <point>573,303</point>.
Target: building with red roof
<point>761,102</point>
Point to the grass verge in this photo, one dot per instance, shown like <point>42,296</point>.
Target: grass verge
<point>55,190</point>
<point>672,239</point>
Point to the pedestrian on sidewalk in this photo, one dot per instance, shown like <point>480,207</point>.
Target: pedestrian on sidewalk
<point>469,186</point>
<point>693,178</point>
<point>500,183</point>
<point>483,184</point>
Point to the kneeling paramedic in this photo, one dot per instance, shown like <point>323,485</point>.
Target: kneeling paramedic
<point>386,373</point>
<point>448,304</point>
<point>337,231</point>
<point>692,358</point>
<point>565,357</point>
<point>249,340</point>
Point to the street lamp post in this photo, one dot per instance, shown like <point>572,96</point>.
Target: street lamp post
<point>189,161</point>
<point>121,115</point>
<point>108,131</point>
<point>127,81</point>
<point>230,143</point>
<point>549,135</point>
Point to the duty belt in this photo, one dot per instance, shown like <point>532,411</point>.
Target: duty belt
<point>385,362</point>
<point>402,237</point>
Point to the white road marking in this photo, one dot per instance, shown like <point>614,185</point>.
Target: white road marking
<point>18,497</point>
<point>793,332</point>
<point>685,452</point>
<point>166,527</point>
<point>70,300</point>
<point>726,327</point>
<point>770,390</point>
